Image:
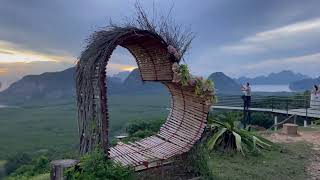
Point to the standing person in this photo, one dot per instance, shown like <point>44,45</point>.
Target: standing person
<point>315,89</point>
<point>247,95</point>
<point>247,101</point>
<point>318,97</point>
<point>315,98</point>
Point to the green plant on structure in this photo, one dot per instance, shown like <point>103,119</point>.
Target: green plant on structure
<point>185,74</point>
<point>227,137</point>
<point>198,88</point>
<point>209,85</point>
<point>203,87</point>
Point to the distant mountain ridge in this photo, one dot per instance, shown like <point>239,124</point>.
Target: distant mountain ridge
<point>134,84</point>
<point>49,85</point>
<point>224,84</point>
<point>122,75</point>
<point>283,77</point>
<point>304,84</point>
<point>57,85</point>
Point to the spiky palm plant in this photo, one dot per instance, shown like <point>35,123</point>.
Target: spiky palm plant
<point>228,137</point>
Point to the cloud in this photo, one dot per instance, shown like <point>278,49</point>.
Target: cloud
<point>233,36</point>
<point>242,49</point>
<point>300,34</point>
<point>25,62</point>
<point>121,60</point>
<point>3,71</point>
<point>115,68</point>
<point>17,61</point>
<point>306,64</point>
<point>12,53</point>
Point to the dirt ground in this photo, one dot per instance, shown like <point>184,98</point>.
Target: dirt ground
<point>312,137</point>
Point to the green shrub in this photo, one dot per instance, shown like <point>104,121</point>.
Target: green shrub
<point>227,137</point>
<point>38,165</point>
<point>142,134</point>
<point>140,129</point>
<point>15,161</point>
<point>28,165</point>
<point>95,166</point>
<point>197,162</point>
<point>2,171</point>
<point>262,120</point>
<point>143,125</point>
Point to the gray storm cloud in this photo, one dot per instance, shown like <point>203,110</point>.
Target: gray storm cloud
<point>229,34</point>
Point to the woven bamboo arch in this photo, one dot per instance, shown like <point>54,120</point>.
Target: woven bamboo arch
<point>186,120</point>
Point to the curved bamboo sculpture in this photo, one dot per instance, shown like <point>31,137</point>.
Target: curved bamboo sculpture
<point>185,123</point>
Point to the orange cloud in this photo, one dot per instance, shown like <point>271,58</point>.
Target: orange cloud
<point>11,53</point>
<point>113,68</point>
<point>3,71</point>
<point>128,68</point>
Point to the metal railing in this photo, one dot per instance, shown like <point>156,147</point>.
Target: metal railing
<point>299,105</point>
<point>295,104</point>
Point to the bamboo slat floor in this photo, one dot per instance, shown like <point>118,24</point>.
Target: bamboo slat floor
<point>181,130</point>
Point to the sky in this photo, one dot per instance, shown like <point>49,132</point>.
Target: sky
<point>239,38</point>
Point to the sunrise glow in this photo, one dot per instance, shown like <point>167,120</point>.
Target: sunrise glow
<point>3,70</point>
<point>23,58</point>
<point>128,68</point>
<point>11,53</point>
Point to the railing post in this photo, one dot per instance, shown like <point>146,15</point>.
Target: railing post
<point>244,113</point>
<point>287,104</point>
<point>305,122</point>
<point>275,122</point>
<point>295,119</point>
<point>272,103</point>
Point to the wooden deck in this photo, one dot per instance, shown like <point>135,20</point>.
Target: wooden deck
<point>184,126</point>
<point>313,113</point>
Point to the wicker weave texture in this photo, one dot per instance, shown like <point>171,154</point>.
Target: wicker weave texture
<point>186,120</point>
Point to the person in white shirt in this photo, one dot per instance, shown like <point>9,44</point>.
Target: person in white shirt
<point>247,95</point>
<point>247,101</point>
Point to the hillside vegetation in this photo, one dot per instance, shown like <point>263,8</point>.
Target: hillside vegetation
<point>44,126</point>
